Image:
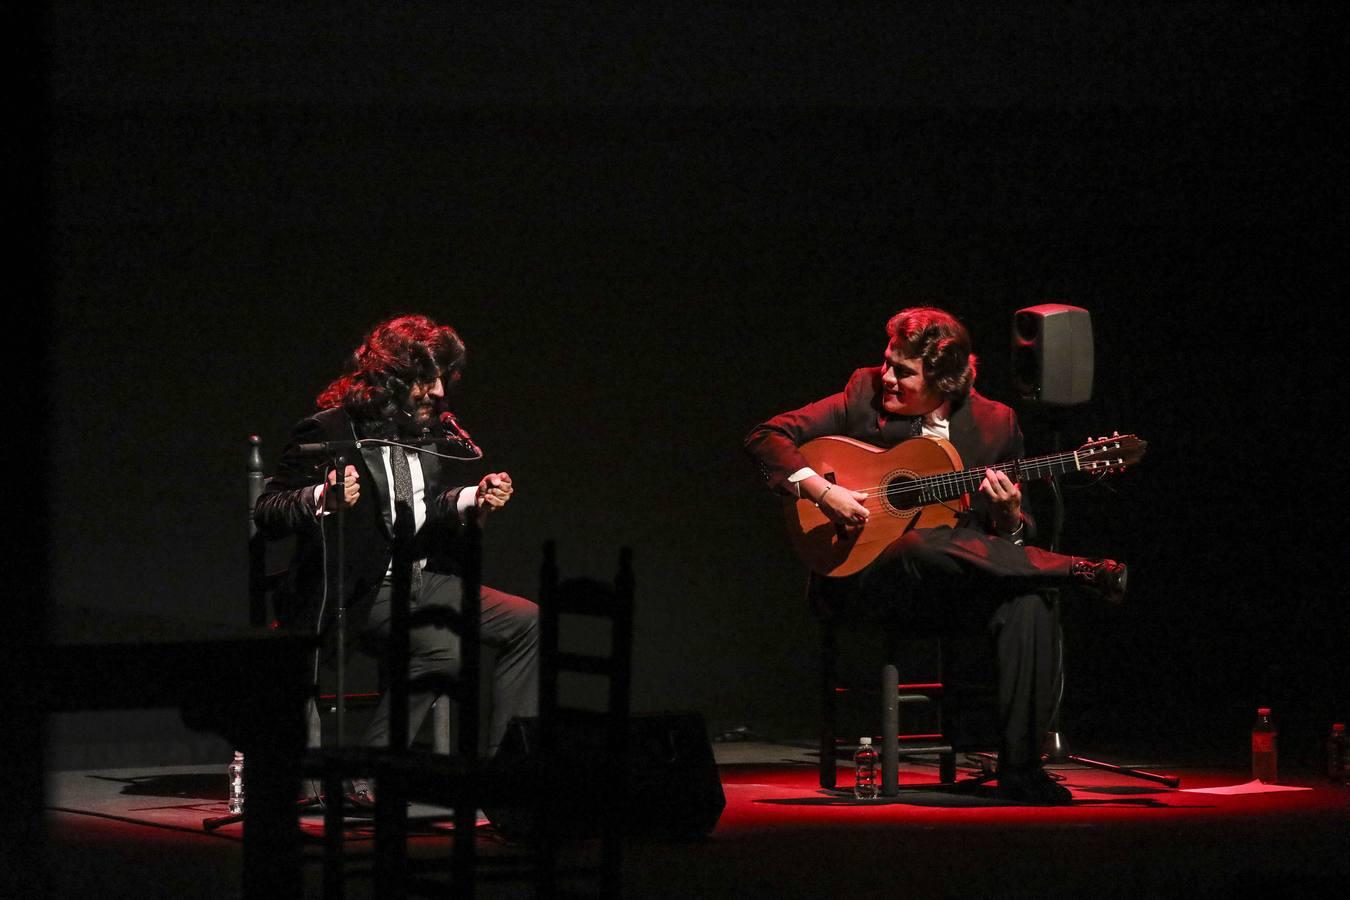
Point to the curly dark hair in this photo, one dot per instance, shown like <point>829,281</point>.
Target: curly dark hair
<point>395,355</point>
<point>942,342</point>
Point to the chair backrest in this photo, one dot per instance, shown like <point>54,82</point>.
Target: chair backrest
<point>268,558</point>
<point>262,583</point>
<point>592,598</point>
<point>596,600</point>
<point>463,687</point>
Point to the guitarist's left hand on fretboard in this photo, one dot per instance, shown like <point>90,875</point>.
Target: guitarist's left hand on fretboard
<point>1005,499</point>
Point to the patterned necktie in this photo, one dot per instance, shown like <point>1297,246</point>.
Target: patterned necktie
<point>403,499</point>
<point>916,427</point>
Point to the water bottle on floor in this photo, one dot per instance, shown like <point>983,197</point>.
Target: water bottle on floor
<point>865,770</point>
<point>236,774</point>
<point>1265,766</point>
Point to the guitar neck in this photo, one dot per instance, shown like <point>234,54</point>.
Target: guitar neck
<point>951,485</point>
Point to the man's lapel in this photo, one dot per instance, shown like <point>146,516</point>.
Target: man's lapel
<point>963,433</point>
<point>431,473</point>
<point>380,490</point>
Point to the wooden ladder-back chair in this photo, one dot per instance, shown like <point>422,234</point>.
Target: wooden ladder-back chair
<point>453,780</point>
<point>562,777</point>
<point>614,602</point>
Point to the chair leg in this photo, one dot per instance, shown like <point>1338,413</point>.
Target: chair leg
<point>314,726</point>
<point>829,654</point>
<point>333,825</point>
<point>947,767</point>
<point>463,860</point>
<point>890,731</point>
<point>391,837</point>
<point>440,725</point>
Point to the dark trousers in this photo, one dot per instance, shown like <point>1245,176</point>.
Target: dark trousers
<point>509,625</point>
<point>961,580</point>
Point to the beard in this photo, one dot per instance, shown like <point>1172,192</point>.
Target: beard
<point>405,420</point>
<point>423,415</point>
<point>414,420</point>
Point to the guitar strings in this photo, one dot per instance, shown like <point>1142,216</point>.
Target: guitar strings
<point>944,486</point>
<point>967,479</point>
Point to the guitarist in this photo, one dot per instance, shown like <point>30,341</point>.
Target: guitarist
<point>982,570</point>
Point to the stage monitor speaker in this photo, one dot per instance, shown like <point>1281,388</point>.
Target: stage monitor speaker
<point>672,788</point>
<point>1052,354</point>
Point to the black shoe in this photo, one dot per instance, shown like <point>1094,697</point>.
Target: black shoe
<point>1032,786</point>
<point>1105,576</point>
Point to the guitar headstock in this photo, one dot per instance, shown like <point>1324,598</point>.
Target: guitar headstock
<point>1108,454</point>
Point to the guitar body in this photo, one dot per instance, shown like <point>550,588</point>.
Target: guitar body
<point>917,484</point>
<point>832,550</point>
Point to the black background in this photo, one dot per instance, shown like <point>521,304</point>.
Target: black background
<point>657,226</point>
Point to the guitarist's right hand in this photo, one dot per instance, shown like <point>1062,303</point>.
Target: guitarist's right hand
<point>840,505</point>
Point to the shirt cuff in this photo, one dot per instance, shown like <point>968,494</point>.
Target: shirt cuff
<point>317,503</point>
<point>468,498</point>
<point>799,476</point>
<point>1018,535</point>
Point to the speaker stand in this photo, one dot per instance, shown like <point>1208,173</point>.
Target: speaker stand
<point>1057,751</point>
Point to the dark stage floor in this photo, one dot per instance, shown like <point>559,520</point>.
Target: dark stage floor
<point>136,833</point>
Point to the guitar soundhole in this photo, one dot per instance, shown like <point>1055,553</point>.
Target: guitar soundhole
<point>901,495</point>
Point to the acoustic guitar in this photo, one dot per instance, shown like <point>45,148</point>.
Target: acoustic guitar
<point>916,484</point>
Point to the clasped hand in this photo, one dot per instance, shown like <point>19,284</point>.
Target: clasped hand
<point>351,490</point>
<point>493,491</point>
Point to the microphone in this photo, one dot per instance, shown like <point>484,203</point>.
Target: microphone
<point>456,432</point>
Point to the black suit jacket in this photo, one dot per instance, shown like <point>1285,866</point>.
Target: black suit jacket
<point>983,431</point>
<point>286,508</point>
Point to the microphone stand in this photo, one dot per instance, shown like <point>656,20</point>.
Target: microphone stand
<point>333,766</point>
<point>332,779</point>
<point>336,452</point>
<point>339,581</point>
<point>1058,751</point>
<point>399,601</point>
<point>332,776</point>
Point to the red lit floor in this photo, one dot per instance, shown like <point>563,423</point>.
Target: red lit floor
<point>137,833</point>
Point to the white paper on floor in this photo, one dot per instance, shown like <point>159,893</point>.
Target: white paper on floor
<point>1251,787</point>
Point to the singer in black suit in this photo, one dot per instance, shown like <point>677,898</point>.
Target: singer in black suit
<point>981,573</point>
<point>395,390</point>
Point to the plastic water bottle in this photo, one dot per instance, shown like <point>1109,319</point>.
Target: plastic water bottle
<point>236,773</point>
<point>1265,766</point>
<point>865,770</point>
<point>1336,755</point>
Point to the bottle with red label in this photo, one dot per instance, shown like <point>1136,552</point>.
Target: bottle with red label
<point>1265,765</point>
